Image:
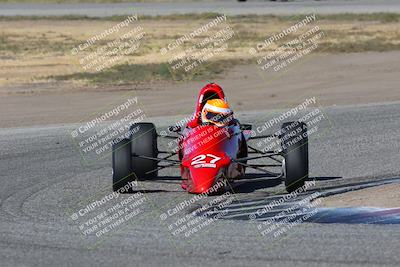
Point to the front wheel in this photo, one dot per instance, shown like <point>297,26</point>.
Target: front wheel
<point>122,164</point>
<point>128,160</point>
<point>144,143</point>
<point>294,142</point>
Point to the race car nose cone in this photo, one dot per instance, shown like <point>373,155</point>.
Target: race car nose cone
<point>203,179</point>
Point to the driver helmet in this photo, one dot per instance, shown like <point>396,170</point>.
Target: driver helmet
<point>216,111</point>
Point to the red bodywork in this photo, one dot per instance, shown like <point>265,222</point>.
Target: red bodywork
<point>206,151</point>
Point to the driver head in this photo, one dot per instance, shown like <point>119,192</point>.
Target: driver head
<point>217,112</point>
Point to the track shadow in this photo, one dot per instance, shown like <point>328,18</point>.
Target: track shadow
<point>323,178</point>
<point>256,175</point>
<point>166,178</point>
<point>261,181</point>
<point>282,210</point>
<point>146,191</point>
<point>255,181</point>
<point>250,183</point>
<point>149,191</point>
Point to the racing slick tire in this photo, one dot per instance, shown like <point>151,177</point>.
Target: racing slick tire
<point>122,164</point>
<point>294,141</point>
<point>126,167</point>
<point>144,143</point>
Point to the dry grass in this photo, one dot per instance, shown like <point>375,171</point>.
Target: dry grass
<point>33,49</point>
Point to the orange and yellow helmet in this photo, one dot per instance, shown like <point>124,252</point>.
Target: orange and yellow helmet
<point>216,111</point>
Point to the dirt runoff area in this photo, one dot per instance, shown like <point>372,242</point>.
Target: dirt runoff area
<point>384,196</point>
<point>333,79</point>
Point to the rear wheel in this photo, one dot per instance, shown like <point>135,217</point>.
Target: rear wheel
<point>294,141</point>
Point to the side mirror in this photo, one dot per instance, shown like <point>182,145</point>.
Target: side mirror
<point>245,127</point>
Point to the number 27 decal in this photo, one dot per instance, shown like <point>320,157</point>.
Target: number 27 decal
<point>205,161</point>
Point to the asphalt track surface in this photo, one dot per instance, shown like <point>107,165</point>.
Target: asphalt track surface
<point>44,184</point>
<point>229,7</point>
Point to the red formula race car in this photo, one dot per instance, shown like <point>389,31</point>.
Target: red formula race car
<point>209,150</point>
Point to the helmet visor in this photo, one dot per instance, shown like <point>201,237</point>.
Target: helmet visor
<point>219,118</point>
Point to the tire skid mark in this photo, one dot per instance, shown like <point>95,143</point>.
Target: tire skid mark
<point>12,205</point>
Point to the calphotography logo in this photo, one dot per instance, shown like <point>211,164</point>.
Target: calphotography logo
<point>275,53</point>
<point>110,46</point>
<point>192,51</point>
<point>199,133</point>
<point>95,138</point>
<point>104,214</point>
<point>203,214</point>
